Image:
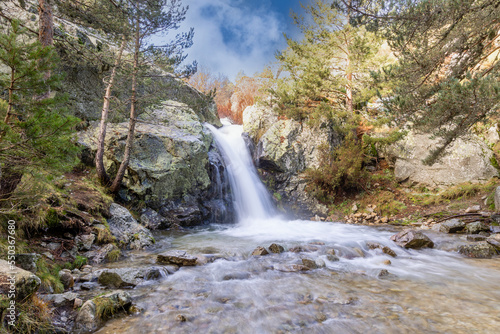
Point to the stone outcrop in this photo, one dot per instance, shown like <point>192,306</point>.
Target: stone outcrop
<point>283,150</point>
<point>467,159</point>
<point>172,167</point>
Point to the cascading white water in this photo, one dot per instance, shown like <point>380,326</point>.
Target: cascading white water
<point>251,199</point>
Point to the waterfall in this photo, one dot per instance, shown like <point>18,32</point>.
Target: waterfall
<point>250,197</point>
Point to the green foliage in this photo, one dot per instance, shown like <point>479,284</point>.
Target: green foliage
<point>79,262</point>
<point>36,132</point>
<point>49,275</point>
<point>34,316</point>
<point>340,169</point>
<point>114,255</point>
<point>388,205</point>
<point>447,77</point>
<point>329,66</point>
<point>458,192</point>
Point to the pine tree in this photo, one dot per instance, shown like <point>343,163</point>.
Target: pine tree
<point>35,134</point>
<point>448,75</point>
<point>330,66</point>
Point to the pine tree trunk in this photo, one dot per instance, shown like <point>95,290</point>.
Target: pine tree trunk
<point>348,90</point>
<point>46,23</point>
<point>133,117</point>
<point>348,87</point>
<point>99,160</point>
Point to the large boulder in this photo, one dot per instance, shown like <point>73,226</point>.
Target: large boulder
<point>412,239</point>
<point>467,159</point>
<point>127,231</point>
<point>25,282</point>
<point>169,155</point>
<point>284,149</point>
<point>171,162</point>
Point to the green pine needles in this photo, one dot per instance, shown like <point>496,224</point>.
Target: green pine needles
<point>36,131</point>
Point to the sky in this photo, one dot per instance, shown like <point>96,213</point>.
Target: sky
<point>238,35</point>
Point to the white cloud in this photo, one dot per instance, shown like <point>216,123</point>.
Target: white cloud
<point>256,35</point>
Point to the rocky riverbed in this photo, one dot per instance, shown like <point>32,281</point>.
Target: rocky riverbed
<point>283,276</point>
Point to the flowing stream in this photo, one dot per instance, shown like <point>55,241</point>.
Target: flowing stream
<point>426,291</point>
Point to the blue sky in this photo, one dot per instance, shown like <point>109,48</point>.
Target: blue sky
<point>238,35</point>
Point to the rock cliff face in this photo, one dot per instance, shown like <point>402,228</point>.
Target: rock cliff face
<point>283,150</point>
<point>174,168</point>
<point>467,159</point>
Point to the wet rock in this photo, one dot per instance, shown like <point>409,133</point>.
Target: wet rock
<point>128,277</point>
<point>236,276</point>
<point>373,245</point>
<point>412,239</point>
<point>476,237</point>
<point>275,248</point>
<point>494,240</point>
<point>477,227</point>
<point>450,226</point>
<point>389,251</point>
<point>89,319</point>
<point>311,264</point>
<point>480,250</point>
<point>66,278</point>
<point>330,251</point>
<point>60,299</point>
<point>260,251</point>
<point>385,249</point>
<point>332,258</point>
<point>112,280</point>
<point>291,267</point>
<point>183,214</point>
<point>177,257</point>
<point>84,242</point>
<point>27,261</point>
<point>385,274</point>
<point>25,282</point>
<point>88,286</point>
<point>320,263</point>
<point>304,249</point>
<point>387,262</point>
<point>152,220</point>
<point>127,230</point>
